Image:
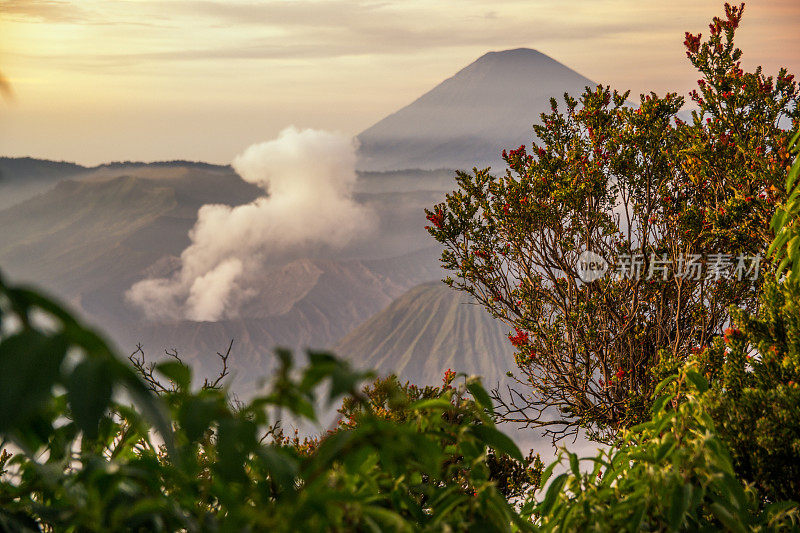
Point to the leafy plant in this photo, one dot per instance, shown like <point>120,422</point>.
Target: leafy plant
<point>755,371</point>
<point>786,247</point>
<point>87,460</point>
<point>661,200</point>
<point>670,473</point>
<point>390,400</point>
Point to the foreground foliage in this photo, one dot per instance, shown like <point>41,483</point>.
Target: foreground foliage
<point>403,458</point>
<point>722,449</point>
<point>755,396</point>
<point>668,474</point>
<point>189,460</point>
<point>392,401</point>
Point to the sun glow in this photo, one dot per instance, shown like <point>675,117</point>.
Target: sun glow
<point>97,80</point>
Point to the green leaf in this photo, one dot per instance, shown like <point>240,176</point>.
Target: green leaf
<point>177,372</point>
<point>664,448</point>
<point>681,496</point>
<point>775,509</point>
<point>196,415</point>
<point>552,494</point>
<point>498,440</point>
<point>148,403</point>
<point>89,394</point>
<point>697,380</point>
<point>235,440</point>
<point>30,364</point>
<point>481,396</point>
<point>432,403</point>
<point>574,464</point>
<point>387,518</point>
<point>660,402</point>
<point>727,519</point>
<point>663,384</point>
<point>734,488</point>
<point>549,472</point>
<point>283,469</point>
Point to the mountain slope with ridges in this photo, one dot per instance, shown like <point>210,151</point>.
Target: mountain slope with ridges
<point>428,330</point>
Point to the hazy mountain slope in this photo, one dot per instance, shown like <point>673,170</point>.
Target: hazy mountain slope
<point>60,237</point>
<point>30,169</point>
<point>23,177</point>
<point>426,331</point>
<point>405,181</point>
<point>82,235</point>
<point>468,119</point>
<point>88,241</point>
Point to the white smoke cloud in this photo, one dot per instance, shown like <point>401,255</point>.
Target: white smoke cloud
<point>308,175</point>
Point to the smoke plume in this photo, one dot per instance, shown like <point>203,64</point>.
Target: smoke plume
<point>308,176</point>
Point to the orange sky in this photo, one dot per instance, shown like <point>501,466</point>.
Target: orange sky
<point>100,80</point>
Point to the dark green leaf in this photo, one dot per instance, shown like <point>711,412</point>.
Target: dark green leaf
<point>89,394</point>
<point>177,372</point>
<point>481,396</point>
<point>29,367</point>
<point>697,380</point>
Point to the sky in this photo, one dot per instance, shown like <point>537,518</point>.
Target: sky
<point>103,80</point>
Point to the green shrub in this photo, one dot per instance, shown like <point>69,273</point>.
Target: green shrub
<point>668,474</point>
<point>755,369</point>
<point>186,460</point>
<point>393,401</point>
<point>646,191</point>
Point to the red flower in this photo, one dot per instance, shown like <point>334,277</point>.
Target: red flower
<point>732,333</point>
<point>520,339</point>
<point>436,218</point>
<point>448,378</point>
<point>620,374</point>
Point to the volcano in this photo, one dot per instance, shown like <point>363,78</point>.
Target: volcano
<point>468,119</point>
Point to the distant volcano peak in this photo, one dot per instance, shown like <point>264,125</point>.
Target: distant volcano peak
<point>469,118</point>
<point>513,53</point>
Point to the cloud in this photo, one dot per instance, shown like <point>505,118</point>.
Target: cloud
<point>327,13</point>
<point>308,175</point>
<point>332,43</point>
<point>41,10</point>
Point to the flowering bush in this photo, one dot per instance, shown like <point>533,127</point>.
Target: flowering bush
<point>621,180</point>
<point>755,375</point>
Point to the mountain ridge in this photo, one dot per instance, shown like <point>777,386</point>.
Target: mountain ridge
<point>427,330</point>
